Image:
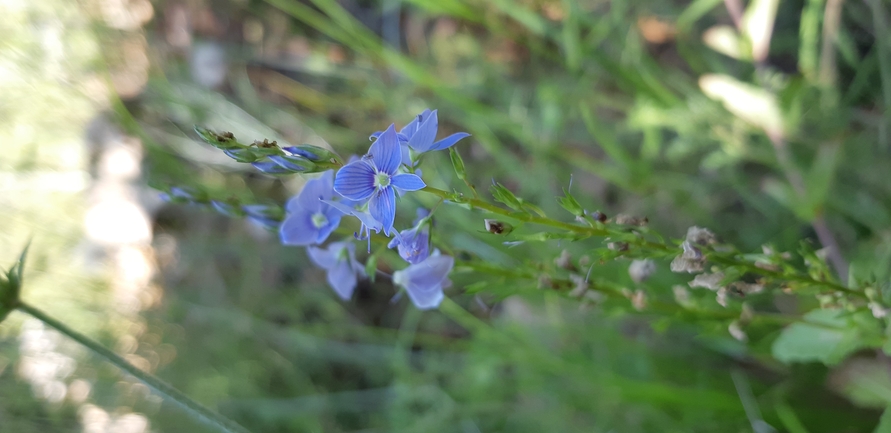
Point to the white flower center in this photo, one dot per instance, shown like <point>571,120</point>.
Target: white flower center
<point>381,180</point>
<point>319,220</point>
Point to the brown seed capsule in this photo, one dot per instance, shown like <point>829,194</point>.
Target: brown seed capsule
<point>599,216</point>
<point>225,136</point>
<point>498,227</point>
<point>617,246</point>
<point>265,143</point>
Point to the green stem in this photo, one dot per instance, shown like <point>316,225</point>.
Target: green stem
<point>191,406</point>
<point>479,204</point>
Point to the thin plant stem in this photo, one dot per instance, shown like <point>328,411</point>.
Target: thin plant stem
<point>191,406</point>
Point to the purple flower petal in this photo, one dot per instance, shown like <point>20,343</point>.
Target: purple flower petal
<point>367,220</point>
<point>412,127</point>
<point>386,152</point>
<point>413,244</point>
<point>299,230</point>
<point>320,188</point>
<point>407,182</point>
<point>382,207</point>
<point>355,181</point>
<point>270,167</point>
<point>422,139</point>
<point>449,141</point>
<point>342,279</point>
<point>339,260</point>
<point>425,281</point>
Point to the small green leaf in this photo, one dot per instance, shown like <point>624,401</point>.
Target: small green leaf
<point>826,336</point>
<point>457,163</point>
<point>260,152</point>
<point>11,285</point>
<point>503,195</point>
<point>570,204</point>
<point>242,154</point>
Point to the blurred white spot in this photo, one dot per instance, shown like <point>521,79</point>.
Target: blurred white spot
<point>752,104</point>
<point>129,423</point>
<point>117,222</point>
<point>208,64</point>
<point>79,390</point>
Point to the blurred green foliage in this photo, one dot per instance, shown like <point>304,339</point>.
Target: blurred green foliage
<point>666,109</point>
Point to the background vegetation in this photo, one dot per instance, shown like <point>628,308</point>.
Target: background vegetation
<point>766,122</point>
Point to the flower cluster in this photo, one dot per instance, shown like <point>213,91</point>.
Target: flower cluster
<point>367,188</point>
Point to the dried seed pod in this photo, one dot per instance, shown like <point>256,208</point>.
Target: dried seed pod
<point>565,261</point>
<point>618,246</point>
<point>498,227</point>
<point>629,220</point>
<point>599,216</point>
<point>640,270</point>
<point>708,281</point>
<point>736,331</point>
<point>581,286</point>
<point>700,236</point>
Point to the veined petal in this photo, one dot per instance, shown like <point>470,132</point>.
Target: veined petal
<point>355,181</point>
<point>320,188</point>
<point>382,207</point>
<point>299,230</point>
<point>423,138</point>
<point>333,221</point>
<point>386,152</point>
<point>365,217</point>
<point>449,141</point>
<point>407,182</point>
<point>409,130</point>
<point>342,279</point>
<point>430,272</point>
<point>427,298</point>
<point>424,281</point>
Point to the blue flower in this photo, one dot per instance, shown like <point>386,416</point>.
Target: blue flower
<point>425,281</point>
<point>376,178</point>
<point>420,134</point>
<point>414,244</point>
<point>309,220</point>
<point>339,259</point>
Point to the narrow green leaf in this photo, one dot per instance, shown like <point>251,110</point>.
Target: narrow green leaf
<point>570,203</point>
<point>457,163</point>
<point>505,196</point>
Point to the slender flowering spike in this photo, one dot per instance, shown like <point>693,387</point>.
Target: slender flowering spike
<point>339,259</point>
<point>309,220</point>
<point>375,178</point>
<point>425,281</point>
<point>414,244</point>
